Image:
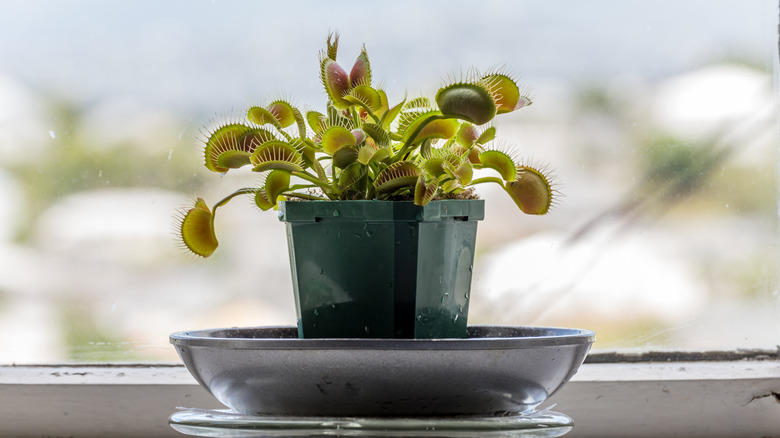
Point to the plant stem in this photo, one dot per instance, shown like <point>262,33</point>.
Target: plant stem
<point>285,134</point>
<point>304,175</point>
<point>408,143</point>
<point>486,179</point>
<point>226,199</point>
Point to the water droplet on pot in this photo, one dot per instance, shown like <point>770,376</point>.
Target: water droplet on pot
<point>316,312</point>
<point>467,295</point>
<point>367,329</point>
<point>332,306</point>
<point>444,297</point>
<point>455,319</point>
<point>471,268</point>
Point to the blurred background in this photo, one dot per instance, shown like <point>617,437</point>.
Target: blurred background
<point>659,119</point>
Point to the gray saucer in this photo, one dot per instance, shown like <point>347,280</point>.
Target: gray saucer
<point>495,370</point>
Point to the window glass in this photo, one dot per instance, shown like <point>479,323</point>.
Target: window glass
<point>659,119</point>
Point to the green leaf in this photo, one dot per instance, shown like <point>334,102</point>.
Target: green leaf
<point>440,128</point>
<point>360,136</point>
<point>473,154</point>
<point>196,229</point>
<point>397,175</point>
<point>321,175</point>
<point>417,104</point>
<point>451,185</point>
<point>300,122</point>
<point>500,162</point>
<point>344,157</point>
<point>253,138</point>
<point>261,116</point>
<point>487,135</point>
<point>384,104</point>
<point>464,172</point>
<point>438,158</point>
<point>262,201</point>
<point>370,152</point>
<point>332,45</point>
<point>233,159</point>
<point>335,138</point>
<point>379,135</point>
<point>283,112</point>
<point>506,92</point>
<point>467,135</point>
<point>361,70</point>
<point>276,155</point>
<point>425,191</point>
<point>352,174</point>
<point>389,116</point>
<point>336,82</point>
<point>531,191</point>
<point>317,121</point>
<point>364,96</point>
<point>435,166</point>
<point>470,102</point>
<point>306,148</point>
<point>224,140</point>
<point>336,117</point>
<point>276,183</point>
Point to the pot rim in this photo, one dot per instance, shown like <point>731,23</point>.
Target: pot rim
<point>372,210</point>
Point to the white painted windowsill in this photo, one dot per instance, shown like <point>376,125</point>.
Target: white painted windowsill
<point>643,399</point>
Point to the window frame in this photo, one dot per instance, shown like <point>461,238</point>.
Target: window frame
<point>693,394</point>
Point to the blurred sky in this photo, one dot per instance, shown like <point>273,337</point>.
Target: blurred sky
<point>215,54</point>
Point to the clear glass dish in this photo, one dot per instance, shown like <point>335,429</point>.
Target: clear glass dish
<point>219,423</point>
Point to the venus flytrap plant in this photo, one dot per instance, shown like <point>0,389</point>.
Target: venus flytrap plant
<point>363,148</point>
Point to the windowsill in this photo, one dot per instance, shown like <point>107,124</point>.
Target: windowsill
<point>666,397</point>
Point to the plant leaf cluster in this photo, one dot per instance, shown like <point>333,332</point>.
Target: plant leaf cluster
<point>364,147</point>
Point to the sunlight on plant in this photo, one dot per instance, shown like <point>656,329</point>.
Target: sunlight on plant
<point>361,147</point>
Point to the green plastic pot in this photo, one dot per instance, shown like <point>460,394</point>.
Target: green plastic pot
<point>381,269</point>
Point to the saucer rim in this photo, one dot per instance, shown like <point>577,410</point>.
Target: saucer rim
<point>547,336</point>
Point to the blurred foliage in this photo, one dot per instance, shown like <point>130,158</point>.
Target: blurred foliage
<point>712,181</point>
<point>594,97</point>
<point>76,162</point>
<point>638,333</point>
<point>84,342</point>
<point>704,173</point>
<point>674,169</point>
